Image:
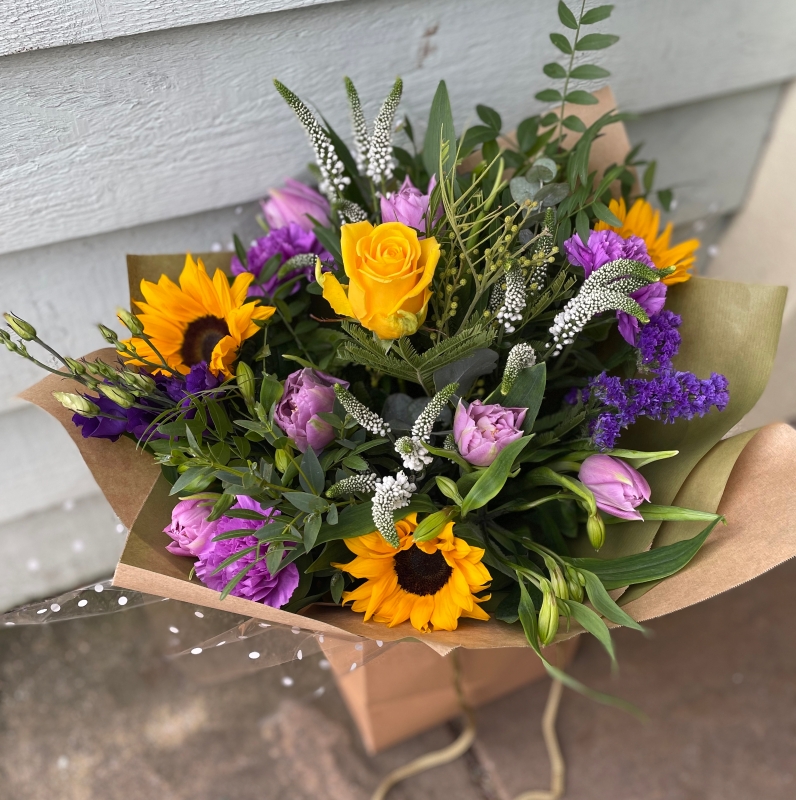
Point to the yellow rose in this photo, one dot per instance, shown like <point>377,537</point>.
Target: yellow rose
<point>389,273</point>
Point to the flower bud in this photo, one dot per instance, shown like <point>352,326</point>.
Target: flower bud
<point>22,329</point>
<point>244,376</point>
<point>117,395</point>
<point>574,585</point>
<point>130,321</point>
<point>75,367</point>
<point>595,528</point>
<point>548,614</point>
<point>77,403</point>
<point>557,579</point>
<point>108,335</point>
<point>281,459</point>
<point>138,382</point>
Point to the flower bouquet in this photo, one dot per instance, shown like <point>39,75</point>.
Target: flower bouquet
<point>466,391</point>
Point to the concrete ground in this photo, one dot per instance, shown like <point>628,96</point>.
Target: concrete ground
<point>92,708</point>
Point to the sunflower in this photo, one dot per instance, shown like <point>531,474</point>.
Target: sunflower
<point>199,320</point>
<point>431,583</point>
<point>643,221</point>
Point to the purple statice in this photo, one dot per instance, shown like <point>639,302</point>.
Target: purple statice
<point>659,341</point>
<point>668,396</point>
<point>258,584</point>
<point>606,246</point>
<point>292,240</point>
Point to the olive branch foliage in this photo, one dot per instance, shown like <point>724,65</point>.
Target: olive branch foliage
<point>507,205</point>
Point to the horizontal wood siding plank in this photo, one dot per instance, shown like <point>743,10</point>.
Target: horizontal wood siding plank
<point>118,133</point>
<point>41,24</point>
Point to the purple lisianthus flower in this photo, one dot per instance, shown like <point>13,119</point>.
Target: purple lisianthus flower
<point>199,379</point>
<point>308,393</point>
<point>189,527</point>
<point>409,205</point>
<point>292,240</point>
<point>295,202</point>
<point>103,427</point>
<point>605,246</point>
<point>482,431</point>
<point>258,584</point>
<point>618,488</point>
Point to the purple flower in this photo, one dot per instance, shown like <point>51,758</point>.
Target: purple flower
<point>618,488</point>
<point>295,202</point>
<point>189,527</point>
<point>286,242</point>
<point>103,427</point>
<point>199,379</point>
<point>481,432</point>
<point>659,340</point>
<point>605,246</point>
<point>258,584</point>
<point>308,393</point>
<point>409,205</point>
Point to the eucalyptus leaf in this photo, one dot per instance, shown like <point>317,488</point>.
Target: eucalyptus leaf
<point>312,525</point>
<point>522,189</point>
<point>312,472</point>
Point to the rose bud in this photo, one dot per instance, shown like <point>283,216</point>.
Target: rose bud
<point>308,393</point>
<point>618,488</point>
<point>295,202</point>
<point>482,431</point>
<point>189,527</point>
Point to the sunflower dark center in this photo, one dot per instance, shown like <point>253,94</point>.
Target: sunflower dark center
<point>201,336</point>
<point>421,573</point>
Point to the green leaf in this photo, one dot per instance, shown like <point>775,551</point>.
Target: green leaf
<point>665,197</point>
<point>334,552</point>
<point>331,241</point>
<point>574,123</point>
<point>604,603</point>
<point>312,526</point>
<point>240,251</point>
<point>336,586</point>
<point>270,391</point>
<point>561,42</point>
<point>549,96</point>
<point>312,472</point>
<point>582,226</point>
<point>489,117</point>
<point>527,133</point>
<point>567,17</point>
<point>593,623</point>
<point>194,479</point>
<point>603,213</point>
<point>494,477</point>
<point>440,128</point>
<point>651,565</point>
<point>588,72</point>
<point>306,502</point>
<point>355,462</point>
<point>220,419</point>
<point>649,176</point>
<point>236,579</point>
<point>554,70</point>
<point>581,98</point>
<point>477,135</point>
<point>596,14</point>
<point>527,391</point>
<point>357,520</point>
<point>274,558</point>
<point>222,505</point>
<point>596,41</point>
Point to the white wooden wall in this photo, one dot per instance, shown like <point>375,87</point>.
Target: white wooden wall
<point>152,126</point>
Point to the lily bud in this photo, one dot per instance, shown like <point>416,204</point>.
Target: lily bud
<point>548,614</point>
<point>595,528</point>
<point>117,395</point>
<point>281,459</point>
<point>77,403</point>
<point>130,321</point>
<point>108,335</point>
<point>75,367</point>
<point>21,328</point>
<point>574,585</point>
<point>557,579</point>
<point>244,377</point>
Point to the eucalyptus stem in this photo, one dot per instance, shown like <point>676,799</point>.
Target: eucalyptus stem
<point>569,71</point>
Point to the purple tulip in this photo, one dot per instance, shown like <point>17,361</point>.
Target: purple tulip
<point>295,202</point>
<point>308,393</point>
<point>618,488</point>
<point>292,240</point>
<point>481,432</point>
<point>189,527</point>
<point>258,584</point>
<point>409,205</point>
<point>605,246</point>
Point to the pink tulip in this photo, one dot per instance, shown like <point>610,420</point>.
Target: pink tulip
<point>618,488</point>
<point>295,202</point>
<point>482,431</point>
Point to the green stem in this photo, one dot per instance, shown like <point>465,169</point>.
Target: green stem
<point>569,70</point>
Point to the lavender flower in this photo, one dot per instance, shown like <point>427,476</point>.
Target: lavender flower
<point>258,584</point>
<point>286,243</point>
<point>606,246</point>
<point>295,203</point>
